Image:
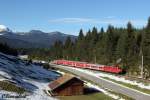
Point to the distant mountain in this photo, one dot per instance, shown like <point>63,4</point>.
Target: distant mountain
<point>32,39</point>
<point>16,43</point>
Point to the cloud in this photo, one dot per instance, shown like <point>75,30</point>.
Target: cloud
<point>72,20</point>
<point>82,20</point>
<point>110,17</point>
<point>139,22</point>
<point>107,20</point>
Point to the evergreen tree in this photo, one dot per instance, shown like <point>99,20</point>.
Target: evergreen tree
<point>100,47</point>
<point>122,49</point>
<point>81,35</point>
<point>58,49</point>
<point>146,47</point>
<point>80,47</point>
<point>130,44</point>
<point>101,34</point>
<point>4,48</point>
<point>68,48</point>
<point>109,46</point>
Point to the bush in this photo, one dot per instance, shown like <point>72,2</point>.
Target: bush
<point>11,87</point>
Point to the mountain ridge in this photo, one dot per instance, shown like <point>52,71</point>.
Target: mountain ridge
<point>33,38</point>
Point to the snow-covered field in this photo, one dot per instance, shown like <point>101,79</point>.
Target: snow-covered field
<point>31,77</point>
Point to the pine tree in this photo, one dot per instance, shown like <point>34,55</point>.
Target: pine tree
<point>146,46</point>
<point>80,47</point>
<point>81,35</point>
<point>68,48</point>
<point>94,35</point>
<point>109,44</point>
<point>101,34</point>
<point>57,50</point>
<point>130,44</point>
<point>121,49</point>
<point>100,47</point>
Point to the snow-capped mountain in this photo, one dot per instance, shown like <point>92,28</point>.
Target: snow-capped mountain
<point>31,39</point>
<point>32,78</point>
<point>3,28</point>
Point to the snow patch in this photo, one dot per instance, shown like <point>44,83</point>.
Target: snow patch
<point>60,72</point>
<point>4,28</point>
<point>104,91</point>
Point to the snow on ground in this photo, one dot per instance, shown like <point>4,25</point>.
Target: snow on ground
<point>32,77</point>
<point>40,94</point>
<point>60,72</point>
<point>116,97</point>
<point>3,95</point>
<point>122,79</point>
<point>117,78</point>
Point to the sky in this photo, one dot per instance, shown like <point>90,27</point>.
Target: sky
<point>69,16</point>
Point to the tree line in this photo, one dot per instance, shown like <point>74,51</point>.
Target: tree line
<point>123,46</point>
<point>4,48</point>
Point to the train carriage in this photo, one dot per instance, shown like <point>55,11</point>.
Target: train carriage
<point>78,64</point>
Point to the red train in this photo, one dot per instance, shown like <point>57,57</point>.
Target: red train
<point>105,68</point>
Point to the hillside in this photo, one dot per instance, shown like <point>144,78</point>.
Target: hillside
<point>32,79</point>
<point>17,42</point>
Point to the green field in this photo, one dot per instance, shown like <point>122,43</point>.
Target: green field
<point>94,96</point>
